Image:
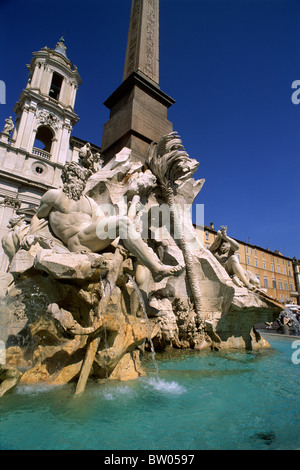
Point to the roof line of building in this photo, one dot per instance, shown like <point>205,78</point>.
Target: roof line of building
<point>83,142</point>
<point>267,250</point>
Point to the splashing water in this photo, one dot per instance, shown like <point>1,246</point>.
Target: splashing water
<point>170,388</point>
<point>142,303</point>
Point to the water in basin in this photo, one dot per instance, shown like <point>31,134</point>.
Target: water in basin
<point>207,400</point>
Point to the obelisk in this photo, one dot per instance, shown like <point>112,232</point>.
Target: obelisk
<point>138,108</point>
<point>142,52</point>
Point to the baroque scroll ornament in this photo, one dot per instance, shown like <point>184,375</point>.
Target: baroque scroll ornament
<point>49,119</point>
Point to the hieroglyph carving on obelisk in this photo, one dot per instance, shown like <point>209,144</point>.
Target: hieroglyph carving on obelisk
<point>142,54</point>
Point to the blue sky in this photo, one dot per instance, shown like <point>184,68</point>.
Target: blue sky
<point>229,64</point>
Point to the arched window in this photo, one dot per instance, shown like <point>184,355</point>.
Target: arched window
<point>43,139</point>
<point>55,85</point>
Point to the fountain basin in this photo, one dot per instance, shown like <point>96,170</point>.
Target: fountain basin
<point>205,401</point>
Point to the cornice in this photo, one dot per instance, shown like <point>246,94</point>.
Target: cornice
<point>265,250</point>
<point>136,79</point>
<point>76,140</point>
<point>55,59</point>
<point>45,102</point>
<point>22,180</point>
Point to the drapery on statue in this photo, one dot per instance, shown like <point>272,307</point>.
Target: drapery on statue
<point>224,248</point>
<point>83,227</point>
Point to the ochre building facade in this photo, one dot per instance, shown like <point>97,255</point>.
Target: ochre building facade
<point>277,273</point>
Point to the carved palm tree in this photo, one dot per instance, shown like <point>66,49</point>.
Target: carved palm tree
<point>172,166</point>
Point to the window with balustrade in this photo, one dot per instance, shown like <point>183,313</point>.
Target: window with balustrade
<point>43,142</point>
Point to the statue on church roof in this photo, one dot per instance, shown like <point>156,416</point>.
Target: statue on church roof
<point>9,126</point>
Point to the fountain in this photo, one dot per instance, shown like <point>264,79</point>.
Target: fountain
<point>142,303</point>
<point>131,246</point>
<point>288,313</point>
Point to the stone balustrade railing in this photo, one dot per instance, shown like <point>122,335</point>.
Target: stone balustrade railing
<point>41,153</point>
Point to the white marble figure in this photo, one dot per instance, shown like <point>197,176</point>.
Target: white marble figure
<point>224,248</point>
<point>83,227</point>
<point>8,127</point>
<point>88,159</point>
<point>18,229</point>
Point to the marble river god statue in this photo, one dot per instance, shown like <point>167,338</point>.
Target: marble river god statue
<point>111,265</point>
<point>83,227</point>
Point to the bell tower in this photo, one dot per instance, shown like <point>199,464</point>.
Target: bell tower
<point>45,110</point>
<point>35,147</point>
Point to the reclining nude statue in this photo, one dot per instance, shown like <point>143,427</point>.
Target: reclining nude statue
<point>79,222</point>
<point>224,248</point>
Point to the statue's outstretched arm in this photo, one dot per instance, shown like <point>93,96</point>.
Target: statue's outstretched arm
<point>233,243</point>
<point>46,204</point>
<point>215,245</point>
